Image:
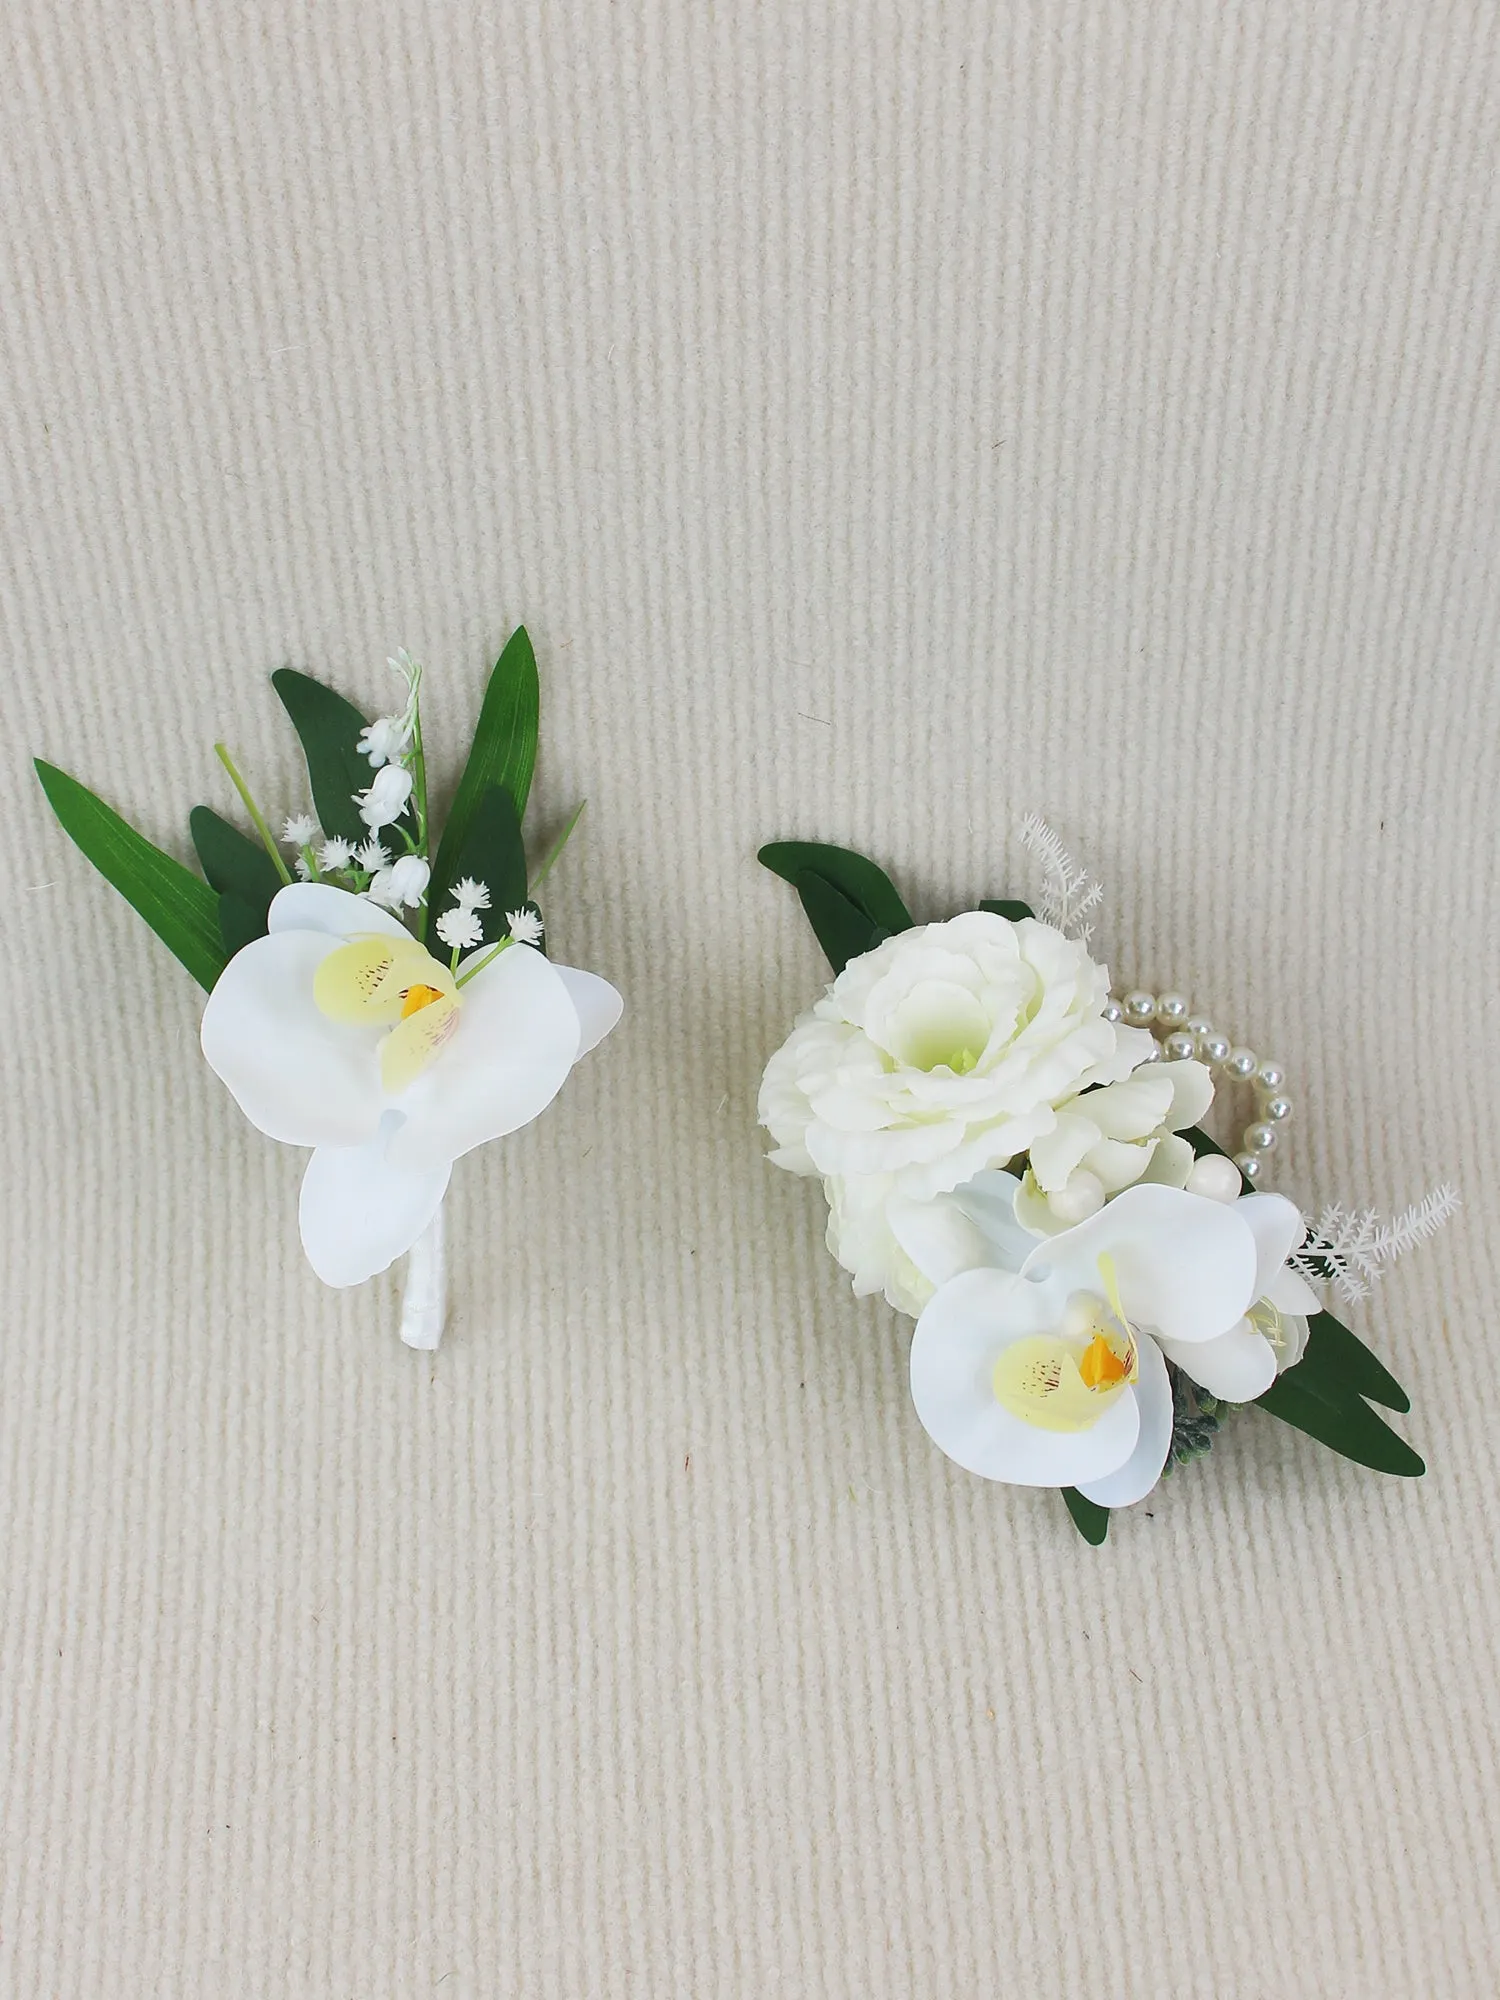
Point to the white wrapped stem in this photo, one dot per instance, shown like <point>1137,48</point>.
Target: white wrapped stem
<point>424,1305</point>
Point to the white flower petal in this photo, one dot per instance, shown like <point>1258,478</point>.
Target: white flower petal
<point>954,1349</point>
<point>937,1236</point>
<point>1140,1472</point>
<point>298,1076</point>
<point>516,1040</point>
<point>599,1005</point>
<point>1185,1265</point>
<point>1056,1153</point>
<point>359,1213</point>
<point>319,906</point>
<point>1118,1163</point>
<point>1239,1366</point>
<point>990,1199</point>
<point>1290,1292</point>
<point>1192,1092</point>
<point>1277,1226</point>
<point>1171,1162</point>
<point>1132,1109</point>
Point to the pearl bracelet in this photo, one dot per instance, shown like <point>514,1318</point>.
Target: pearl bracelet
<point>1182,1037</point>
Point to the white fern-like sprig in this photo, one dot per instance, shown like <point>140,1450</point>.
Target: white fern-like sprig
<point>1350,1250</point>
<point>1068,893</point>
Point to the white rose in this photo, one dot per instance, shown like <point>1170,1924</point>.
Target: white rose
<point>942,1052</point>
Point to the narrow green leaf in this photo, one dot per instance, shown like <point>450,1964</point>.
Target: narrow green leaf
<point>1336,1355</point>
<point>1089,1518</point>
<point>1345,1423</point>
<point>1011,910</point>
<point>503,753</point>
<point>857,880</point>
<point>843,931</point>
<point>329,728</point>
<point>242,872</point>
<point>179,907</point>
<point>492,853</point>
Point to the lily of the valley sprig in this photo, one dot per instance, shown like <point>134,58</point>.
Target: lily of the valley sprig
<point>1015,1157</point>
<point>389,1005</point>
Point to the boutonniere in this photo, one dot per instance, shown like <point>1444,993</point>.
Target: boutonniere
<point>1016,1157</point>
<point>376,993</point>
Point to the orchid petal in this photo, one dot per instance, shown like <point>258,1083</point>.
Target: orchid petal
<point>296,1075</point>
<point>359,1212</point>
<point>599,1005</point>
<point>1277,1226</point>
<point>1140,1472</point>
<point>1290,1292</point>
<point>958,1339</point>
<point>516,1039</point>
<point>319,906</point>
<point>990,1200</point>
<point>1185,1265</point>
<point>1239,1366</point>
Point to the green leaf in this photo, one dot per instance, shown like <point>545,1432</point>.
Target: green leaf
<point>857,880</point>
<point>1342,1421</point>
<point>503,753</point>
<point>181,909</point>
<point>329,728</point>
<point>492,853</point>
<point>843,931</point>
<point>242,872</point>
<point>1089,1518</point>
<point>1010,910</point>
<point>1335,1355</point>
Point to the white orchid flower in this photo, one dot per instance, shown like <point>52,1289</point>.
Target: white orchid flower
<point>1046,1365</point>
<point>338,1031</point>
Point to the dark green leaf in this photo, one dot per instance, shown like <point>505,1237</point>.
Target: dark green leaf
<point>1345,1423</point>
<point>1011,911</point>
<point>181,909</point>
<point>503,753</point>
<point>1089,1518</point>
<point>329,728</point>
<point>857,880</point>
<point>843,931</point>
<point>1335,1355</point>
<point>240,922</point>
<point>492,853</point>
<point>235,863</point>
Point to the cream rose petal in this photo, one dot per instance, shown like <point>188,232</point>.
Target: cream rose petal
<point>359,1212</point>
<point>517,1038</point>
<point>958,1339</point>
<point>296,1075</point>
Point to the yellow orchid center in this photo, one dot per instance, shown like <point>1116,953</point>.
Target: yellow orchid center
<point>1065,1381</point>
<point>391,982</point>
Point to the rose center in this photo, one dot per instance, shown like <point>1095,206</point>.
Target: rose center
<point>939,1025</point>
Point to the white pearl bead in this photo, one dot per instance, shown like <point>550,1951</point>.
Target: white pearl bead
<point>1250,1165</point>
<point>1179,1047</point>
<point>1270,1077</point>
<point>1199,1026</point>
<point>1215,1049</point>
<point>1215,1178</point>
<point>1081,1196</point>
<point>1259,1138</point>
<point>1113,1011</point>
<point>1277,1109</point>
<point>1140,1007</point>
<point>1171,1010</point>
<point>1241,1064</point>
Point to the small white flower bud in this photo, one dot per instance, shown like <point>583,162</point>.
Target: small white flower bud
<point>386,799</point>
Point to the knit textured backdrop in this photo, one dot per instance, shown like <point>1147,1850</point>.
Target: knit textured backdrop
<point>886,418</point>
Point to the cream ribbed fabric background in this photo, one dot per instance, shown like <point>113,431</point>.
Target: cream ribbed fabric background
<point>885,418</point>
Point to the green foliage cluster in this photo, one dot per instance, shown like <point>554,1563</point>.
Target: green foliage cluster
<point>204,920</point>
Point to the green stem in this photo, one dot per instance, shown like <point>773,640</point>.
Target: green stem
<point>555,850</point>
<point>312,865</point>
<point>254,811</point>
<point>489,958</point>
